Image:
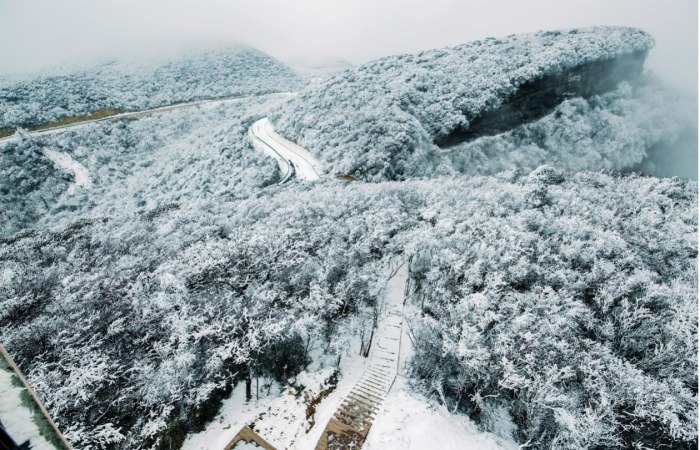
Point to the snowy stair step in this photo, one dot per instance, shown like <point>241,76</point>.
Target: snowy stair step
<point>367,411</point>
<point>374,389</point>
<point>355,418</point>
<point>370,395</point>
<point>379,384</point>
<point>389,378</point>
<point>378,398</point>
<point>364,400</point>
<point>374,379</point>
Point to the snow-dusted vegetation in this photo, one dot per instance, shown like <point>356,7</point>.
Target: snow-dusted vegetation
<point>570,300</point>
<point>29,185</point>
<point>613,131</point>
<point>135,85</point>
<point>152,265</point>
<point>387,119</point>
<point>566,299</point>
<point>183,155</point>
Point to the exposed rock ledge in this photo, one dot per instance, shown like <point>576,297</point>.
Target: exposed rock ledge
<point>539,97</point>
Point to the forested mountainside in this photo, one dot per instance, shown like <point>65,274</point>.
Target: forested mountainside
<point>560,302</point>
<point>134,85</point>
<point>412,115</point>
<point>612,131</point>
<point>135,165</point>
<point>567,299</point>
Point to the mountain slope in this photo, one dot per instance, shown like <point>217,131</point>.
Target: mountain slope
<point>546,295</point>
<point>386,118</point>
<point>135,165</point>
<point>134,85</point>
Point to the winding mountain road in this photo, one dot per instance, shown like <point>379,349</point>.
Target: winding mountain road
<point>138,114</point>
<point>293,159</point>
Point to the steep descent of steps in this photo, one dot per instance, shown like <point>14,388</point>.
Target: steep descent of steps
<point>349,426</point>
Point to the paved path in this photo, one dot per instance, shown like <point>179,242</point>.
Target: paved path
<point>293,159</point>
<point>349,427</point>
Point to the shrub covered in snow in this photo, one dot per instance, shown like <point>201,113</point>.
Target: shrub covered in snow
<point>134,85</point>
<point>29,185</point>
<point>613,131</point>
<point>570,300</point>
<point>381,120</point>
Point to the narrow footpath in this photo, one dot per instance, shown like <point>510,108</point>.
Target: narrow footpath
<point>351,423</point>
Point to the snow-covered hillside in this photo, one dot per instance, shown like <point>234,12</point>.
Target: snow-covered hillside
<point>538,295</point>
<point>160,288</point>
<point>382,120</point>
<point>135,165</point>
<point>135,85</point>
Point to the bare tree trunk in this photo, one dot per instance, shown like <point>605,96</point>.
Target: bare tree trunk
<point>369,344</point>
<point>248,388</point>
<point>362,341</point>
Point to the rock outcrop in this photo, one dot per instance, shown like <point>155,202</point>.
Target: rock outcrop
<point>537,98</point>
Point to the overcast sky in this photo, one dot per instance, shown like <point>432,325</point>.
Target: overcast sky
<point>40,33</point>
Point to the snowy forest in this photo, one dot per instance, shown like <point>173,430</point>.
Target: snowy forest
<point>138,83</point>
<point>555,286</point>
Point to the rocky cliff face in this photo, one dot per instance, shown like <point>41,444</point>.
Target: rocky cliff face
<point>537,98</point>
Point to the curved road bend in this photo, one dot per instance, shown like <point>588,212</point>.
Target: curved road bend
<point>305,166</point>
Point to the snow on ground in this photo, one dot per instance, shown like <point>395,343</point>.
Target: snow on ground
<point>16,417</point>
<point>68,164</point>
<point>352,367</point>
<point>243,445</point>
<point>284,420</point>
<point>285,166</point>
<point>306,166</point>
<point>234,414</point>
<point>409,421</point>
<point>284,423</point>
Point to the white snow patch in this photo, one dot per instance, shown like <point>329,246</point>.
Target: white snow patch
<point>68,164</point>
<point>409,421</point>
<point>17,419</point>
<point>243,445</point>
<point>234,414</point>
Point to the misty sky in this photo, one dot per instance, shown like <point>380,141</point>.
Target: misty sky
<point>40,33</point>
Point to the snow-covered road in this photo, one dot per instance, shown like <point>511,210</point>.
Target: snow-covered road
<point>293,159</point>
<point>81,176</point>
<point>138,114</point>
